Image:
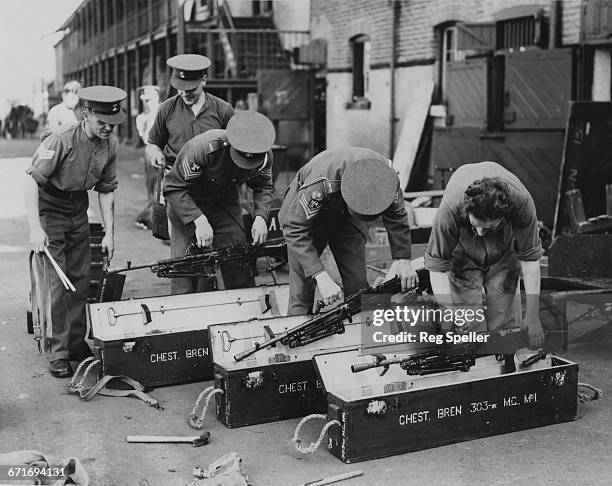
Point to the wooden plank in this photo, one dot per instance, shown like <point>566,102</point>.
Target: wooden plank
<point>417,110</point>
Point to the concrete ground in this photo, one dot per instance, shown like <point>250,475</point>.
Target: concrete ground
<point>37,413</point>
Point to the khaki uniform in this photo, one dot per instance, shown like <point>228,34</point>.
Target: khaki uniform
<point>205,180</point>
<point>314,215</point>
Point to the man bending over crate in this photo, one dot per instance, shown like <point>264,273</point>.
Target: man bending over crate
<point>329,202</point>
<point>202,194</point>
<point>485,234</point>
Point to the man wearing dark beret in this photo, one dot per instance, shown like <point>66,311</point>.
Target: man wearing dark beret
<point>329,202</point>
<point>65,166</point>
<point>201,191</point>
<point>484,235</point>
<point>191,112</point>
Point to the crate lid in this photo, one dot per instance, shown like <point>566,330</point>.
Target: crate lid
<point>229,339</point>
<point>177,313</point>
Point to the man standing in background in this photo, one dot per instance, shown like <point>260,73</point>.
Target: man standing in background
<point>63,115</point>
<point>144,122</point>
<point>191,112</point>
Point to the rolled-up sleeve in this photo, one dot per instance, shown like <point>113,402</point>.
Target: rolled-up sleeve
<point>527,243</point>
<point>442,241</point>
<point>108,180</point>
<point>395,221</point>
<point>158,135</point>
<point>263,189</point>
<point>186,172</point>
<point>46,159</point>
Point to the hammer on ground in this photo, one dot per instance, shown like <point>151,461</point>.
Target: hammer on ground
<point>196,441</point>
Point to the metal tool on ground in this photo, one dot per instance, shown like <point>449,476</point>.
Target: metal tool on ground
<point>196,441</point>
<point>334,479</point>
<point>64,279</point>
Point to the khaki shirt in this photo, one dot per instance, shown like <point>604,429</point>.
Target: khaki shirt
<point>205,173</point>
<point>315,192</point>
<point>452,231</point>
<point>71,161</point>
<point>175,124</point>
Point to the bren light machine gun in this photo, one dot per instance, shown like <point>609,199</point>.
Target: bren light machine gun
<point>502,343</point>
<point>197,262</point>
<point>331,322</point>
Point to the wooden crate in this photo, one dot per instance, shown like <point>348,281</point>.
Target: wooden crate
<point>395,413</point>
<point>164,340</point>
<point>276,383</point>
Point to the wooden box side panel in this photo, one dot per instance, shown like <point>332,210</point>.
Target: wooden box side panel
<point>165,359</point>
<point>433,417</point>
<point>267,394</point>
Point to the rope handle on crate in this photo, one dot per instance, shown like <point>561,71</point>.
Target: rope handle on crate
<point>192,418</point>
<point>585,397</point>
<point>312,448</point>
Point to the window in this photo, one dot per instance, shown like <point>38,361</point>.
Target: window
<point>262,7</point>
<point>361,47</point>
<point>521,27</point>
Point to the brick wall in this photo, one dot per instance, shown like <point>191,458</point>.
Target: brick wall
<point>339,20</point>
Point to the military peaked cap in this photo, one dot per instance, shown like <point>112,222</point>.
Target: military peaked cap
<point>250,135</point>
<point>369,186</point>
<point>188,70</point>
<point>104,102</point>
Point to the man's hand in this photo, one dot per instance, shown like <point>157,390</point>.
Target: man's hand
<point>108,247</point>
<point>38,239</point>
<point>156,157</point>
<point>403,269</point>
<point>259,230</point>
<point>534,329</point>
<point>329,290</point>
<point>203,232</point>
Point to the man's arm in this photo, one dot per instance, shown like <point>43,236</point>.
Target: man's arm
<point>297,217</point>
<point>529,250</point>
<point>38,238</point>
<point>263,189</point>
<point>186,171</point>
<point>107,210</point>
<point>157,140</point>
<point>438,257</point>
<point>47,158</point>
<point>395,220</point>
<point>155,155</point>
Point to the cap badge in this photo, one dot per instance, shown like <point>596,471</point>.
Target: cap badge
<point>115,107</point>
<point>181,74</point>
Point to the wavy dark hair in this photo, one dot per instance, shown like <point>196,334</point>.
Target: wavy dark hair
<point>488,198</point>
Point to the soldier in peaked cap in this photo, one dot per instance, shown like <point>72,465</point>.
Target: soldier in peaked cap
<point>329,202</point>
<point>64,167</point>
<point>191,112</point>
<point>201,191</point>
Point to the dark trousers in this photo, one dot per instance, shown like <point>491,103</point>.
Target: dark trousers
<point>227,229</point>
<point>66,224</point>
<point>150,181</point>
<point>499,280</point>
<point>347,245</point>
